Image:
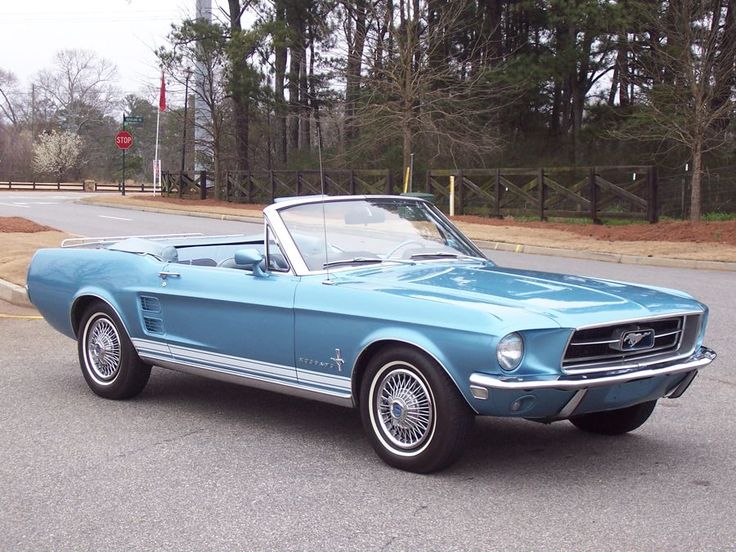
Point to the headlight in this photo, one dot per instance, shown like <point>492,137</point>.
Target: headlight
<point>509,351</point>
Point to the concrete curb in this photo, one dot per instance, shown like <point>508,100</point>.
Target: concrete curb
<point>495,246</point>
<point>163,210</point>
<point>608,257</point>
<point>14,294</point>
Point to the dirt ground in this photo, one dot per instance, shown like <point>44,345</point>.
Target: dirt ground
<point>714,241</point>
<point>17,247</point>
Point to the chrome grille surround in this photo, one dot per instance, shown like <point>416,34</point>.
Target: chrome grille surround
<point>597,348</point>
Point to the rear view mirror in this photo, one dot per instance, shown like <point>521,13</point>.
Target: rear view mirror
<point>365,215</point>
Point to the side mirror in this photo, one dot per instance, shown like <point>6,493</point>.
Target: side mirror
<point>252,258</point>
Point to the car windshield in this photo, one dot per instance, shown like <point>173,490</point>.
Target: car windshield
<point>364,231</point>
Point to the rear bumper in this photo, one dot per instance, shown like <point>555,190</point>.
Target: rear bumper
<point>561,397</point>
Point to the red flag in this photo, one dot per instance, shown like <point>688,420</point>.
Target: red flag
<point>162,95</point>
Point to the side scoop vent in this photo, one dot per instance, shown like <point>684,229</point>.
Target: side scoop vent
<point>153,325</point>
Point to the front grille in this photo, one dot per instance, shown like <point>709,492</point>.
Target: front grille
<point>608,347</point>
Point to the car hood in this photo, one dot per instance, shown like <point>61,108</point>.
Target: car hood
<point>568,301</point>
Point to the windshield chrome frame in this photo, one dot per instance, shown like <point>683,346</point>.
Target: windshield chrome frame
<point>273,218</point>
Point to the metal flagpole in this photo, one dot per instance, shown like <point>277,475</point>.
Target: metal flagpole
<point>161,107</point>
<point>156,165</point>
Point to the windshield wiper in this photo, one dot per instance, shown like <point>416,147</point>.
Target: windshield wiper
<point>446,255</point>
<point>356,260</point>
<point>435,255</point>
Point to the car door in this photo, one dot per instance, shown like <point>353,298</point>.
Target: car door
<point>229,320</point>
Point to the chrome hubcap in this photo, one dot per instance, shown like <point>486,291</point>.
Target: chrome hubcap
<point>404,408</point>
<point>103,349</point>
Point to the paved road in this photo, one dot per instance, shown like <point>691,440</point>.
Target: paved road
<point>195,464</point>
<point>59,211</point>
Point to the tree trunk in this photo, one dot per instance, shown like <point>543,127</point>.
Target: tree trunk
<point>305,141</point>
<point>353,72</point>
<point>294,64</point>
<point>240,94</point>
<point>280,54</point>
<point>695,193</point>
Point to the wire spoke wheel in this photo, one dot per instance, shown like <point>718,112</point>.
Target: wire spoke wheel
<point>404,408</point>
<point>103,349</point>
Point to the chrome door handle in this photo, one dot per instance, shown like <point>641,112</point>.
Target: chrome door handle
<point>166,275</point>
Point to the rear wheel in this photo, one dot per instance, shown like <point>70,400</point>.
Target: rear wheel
<point>110,365</point>
<point>615,422</point>
<point>412,412</point>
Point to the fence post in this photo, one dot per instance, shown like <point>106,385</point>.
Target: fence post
<point>389,182</point>
<point>203,185</point>
<point>593,185</point>
<point>298,190</point>
<point>460,185</point>
<point>497,191</point>
<point>249,189</point>
<point>352,181</point>
<point>540,184</point>
<point>652,207</point>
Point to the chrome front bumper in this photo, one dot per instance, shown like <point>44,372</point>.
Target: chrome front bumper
<point>481,384</point>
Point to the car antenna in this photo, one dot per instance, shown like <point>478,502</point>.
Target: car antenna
<point>327,281</point>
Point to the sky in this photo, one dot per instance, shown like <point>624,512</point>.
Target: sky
<point>125,32</point>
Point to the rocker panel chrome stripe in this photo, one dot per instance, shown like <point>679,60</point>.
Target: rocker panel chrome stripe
<point>331,380</point>
<point>220,360</point>
<point>145,344</point>
<point>157,351</point>
<point>253,380</point>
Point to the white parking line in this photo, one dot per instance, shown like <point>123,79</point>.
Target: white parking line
<point>15,205</point>
<point>113,218</point>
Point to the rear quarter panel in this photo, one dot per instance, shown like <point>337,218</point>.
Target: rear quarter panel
<point>58,277</point>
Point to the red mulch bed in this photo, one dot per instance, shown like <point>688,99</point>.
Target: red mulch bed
<point>18,224</point>
<point>699,232</point>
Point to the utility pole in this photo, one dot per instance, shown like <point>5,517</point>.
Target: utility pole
<point>201,110</point>
<point>33,113</point>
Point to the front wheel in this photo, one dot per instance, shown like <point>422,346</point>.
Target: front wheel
<point>412,412</point>
<point>109,362</point>
<point>615,422</point>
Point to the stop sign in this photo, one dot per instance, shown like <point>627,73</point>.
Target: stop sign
<point>123,140</point>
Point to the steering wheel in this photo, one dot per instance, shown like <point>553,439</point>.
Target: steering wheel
<point>402,245</point>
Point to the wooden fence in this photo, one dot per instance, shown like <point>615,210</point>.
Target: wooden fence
<point>31,185</point>
<point>264,186</point>
<point>74,186</point>
<point>626,192</point>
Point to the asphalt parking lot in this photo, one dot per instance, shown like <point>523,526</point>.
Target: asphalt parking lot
<point>200,465</point>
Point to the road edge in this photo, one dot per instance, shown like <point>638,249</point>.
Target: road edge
<point>14,294</point>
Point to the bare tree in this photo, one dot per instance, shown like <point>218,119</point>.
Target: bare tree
<point>685,72</point>
<point>57,153</point>
<point>80,86</point>
<point>9,97</point>
<point>420,92</point>
<point>200,46</point>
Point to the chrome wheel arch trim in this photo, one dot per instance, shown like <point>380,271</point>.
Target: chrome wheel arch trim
<point>355,384</point>
<point>86,295</point>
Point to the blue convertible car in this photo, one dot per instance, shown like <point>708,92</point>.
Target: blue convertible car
<point>378,303</point>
